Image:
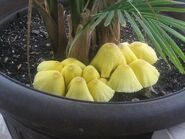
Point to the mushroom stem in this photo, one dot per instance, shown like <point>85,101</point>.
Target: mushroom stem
<point>149,92</point>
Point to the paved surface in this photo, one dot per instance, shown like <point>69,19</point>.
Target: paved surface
<point>4,134</point>
<point>176,132</point>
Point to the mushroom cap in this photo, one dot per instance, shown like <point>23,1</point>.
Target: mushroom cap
<point>72,61</point>
<point>103,80</point>
<point>127,52</point>
<point>100,91</point>
<point>147,74</point>
<point>51,82</point>
<point>123,79</point>
<point>70,71</point>
<point>49,65</point>
<point>143,51</point>
<point>107,59</point>
<point>90,73</point>
<point>78,90</point>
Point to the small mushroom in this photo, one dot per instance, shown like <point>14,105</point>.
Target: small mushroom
<point>51,82</point>
<point>143,51</point>
<point>90,73</point>
<point>147,74</point>
<point>127,52</point>
<point>78,90</point>
<point>123,79</point>
<point>49,65</point>
<point>70,71</point>
<point>100,91</point>
<point>107,59</point>
<point>72,61</point>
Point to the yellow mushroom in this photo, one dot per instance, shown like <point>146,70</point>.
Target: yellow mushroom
<point>90,73</point>
<point>72,61</point>
<point>123,79</point>
<point>143,51</point>
<point>78,90</point>
<point>107,59</point>
<point>147,74</point>
<point>51,82</point>
<point>103,80</point>
<point>70,71</point>
<point>100,91</point>
<point>127,52</point>
<point>49,65</point>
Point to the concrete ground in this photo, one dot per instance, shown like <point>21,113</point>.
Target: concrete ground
<point>4,133</point>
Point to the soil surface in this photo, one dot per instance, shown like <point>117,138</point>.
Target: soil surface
<point>14,64</point>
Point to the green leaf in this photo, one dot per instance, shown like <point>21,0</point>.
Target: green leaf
<point>179,24</point>
<point>170,9</point>
<point>135,27</point>
<point>98,20</point>
<point>53,9</point>
<point>173,32</point>
<point>165,45</point>
<point>76,10</point>
<point>175,47</point>
<point>150,35</point>
<point>121,18</point>
<point>109,18</point>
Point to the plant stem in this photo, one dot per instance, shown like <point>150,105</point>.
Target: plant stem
<point>28,39</point>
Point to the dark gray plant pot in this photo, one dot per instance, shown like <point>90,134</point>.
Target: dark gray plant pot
<point>31,114</point>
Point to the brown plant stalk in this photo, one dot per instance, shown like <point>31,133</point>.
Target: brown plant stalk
<point>28,39</point>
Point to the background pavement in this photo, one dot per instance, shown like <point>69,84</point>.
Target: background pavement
<point>4,133</point>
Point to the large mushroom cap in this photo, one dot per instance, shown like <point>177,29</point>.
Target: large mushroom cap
<point>123,79</point>
<point>69,61</point>
<point>51,82</point>
<point>49,65</point>
<point>103,80</point>
<point>127,52</point>
<point>70,71</point>
<point>107,59</point>
<point>100,91</point>
<point>90,73</point>
<point>143,51</point>
<point>78,90</point>
<point>147,74</point>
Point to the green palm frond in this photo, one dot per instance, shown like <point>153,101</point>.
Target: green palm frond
<point>145,15</point>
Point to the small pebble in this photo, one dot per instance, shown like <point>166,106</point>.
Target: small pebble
<point>36,32</point>
<point>135,100</point>
<point>6,59</point>
<point>48,44</point>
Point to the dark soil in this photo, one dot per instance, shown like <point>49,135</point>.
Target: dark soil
<point>14,64</point>
<point>13,48</point>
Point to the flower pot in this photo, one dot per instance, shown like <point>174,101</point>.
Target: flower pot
<point>32,114</point>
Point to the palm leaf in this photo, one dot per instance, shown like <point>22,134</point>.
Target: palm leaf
<point>135,27</point>
<point>121,18</point>
<point>109,18</point>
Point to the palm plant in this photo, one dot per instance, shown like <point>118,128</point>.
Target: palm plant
<point>94,22</point>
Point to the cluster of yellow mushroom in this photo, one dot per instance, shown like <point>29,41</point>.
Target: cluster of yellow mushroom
<point>115,68</point>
